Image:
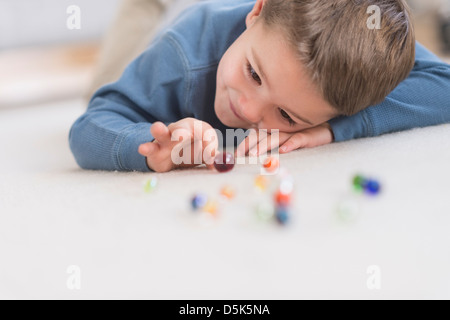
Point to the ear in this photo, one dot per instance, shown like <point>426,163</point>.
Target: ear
<point>255,13</point>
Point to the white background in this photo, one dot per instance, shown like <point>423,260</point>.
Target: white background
<point>31,22</point>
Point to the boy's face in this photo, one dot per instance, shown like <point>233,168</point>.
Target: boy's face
<point>261,84</point>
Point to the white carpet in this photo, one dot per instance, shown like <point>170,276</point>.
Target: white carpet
<point>129,244</point>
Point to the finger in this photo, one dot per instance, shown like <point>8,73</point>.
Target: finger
<point>194,158</point>
<point>210,166</point>
<point>260,148</point>
<point>295,142</point>
<point>266,144</point>
<point>309,138</point>
<point>205,141</point>
<point>182,128</point>
<point>209,154</point>
<point>160,132</point>
<point>249,143</point>
<point>185,123</point>
<point>204,132</point>
<point>210,146</point>
<point>180,132</point>
<point>275,140</point>
<point>197,152</point>
<point>147,149</point>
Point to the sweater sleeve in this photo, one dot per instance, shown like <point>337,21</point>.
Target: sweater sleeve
<point>423,99</point>
<point>118,119</point>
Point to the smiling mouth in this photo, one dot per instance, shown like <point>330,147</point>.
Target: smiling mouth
<point>235,112</point>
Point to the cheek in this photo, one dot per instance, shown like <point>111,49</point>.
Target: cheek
<point>231,72</point>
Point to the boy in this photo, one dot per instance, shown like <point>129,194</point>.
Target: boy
<point>309,69</point>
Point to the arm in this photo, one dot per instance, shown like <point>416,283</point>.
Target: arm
<point>152,88</point>
<point>423,99</point>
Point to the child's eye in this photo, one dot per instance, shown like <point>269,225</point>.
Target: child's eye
<point>252,73</point>
<point>287,117</point>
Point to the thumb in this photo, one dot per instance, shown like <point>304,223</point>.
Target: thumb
<point>148,148</point>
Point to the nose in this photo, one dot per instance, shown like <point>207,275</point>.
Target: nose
<point>252,110</point>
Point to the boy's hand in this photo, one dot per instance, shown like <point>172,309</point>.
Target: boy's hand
<point>287,142</point>
<point>159,152</point>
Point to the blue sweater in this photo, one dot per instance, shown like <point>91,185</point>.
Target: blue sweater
<point>175,78</point>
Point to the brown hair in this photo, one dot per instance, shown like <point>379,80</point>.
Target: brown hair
<point>353,65</point>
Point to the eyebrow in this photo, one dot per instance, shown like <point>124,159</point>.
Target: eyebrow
<point>258,66</point>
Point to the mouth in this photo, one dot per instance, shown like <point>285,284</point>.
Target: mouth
<point>235,112</point>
